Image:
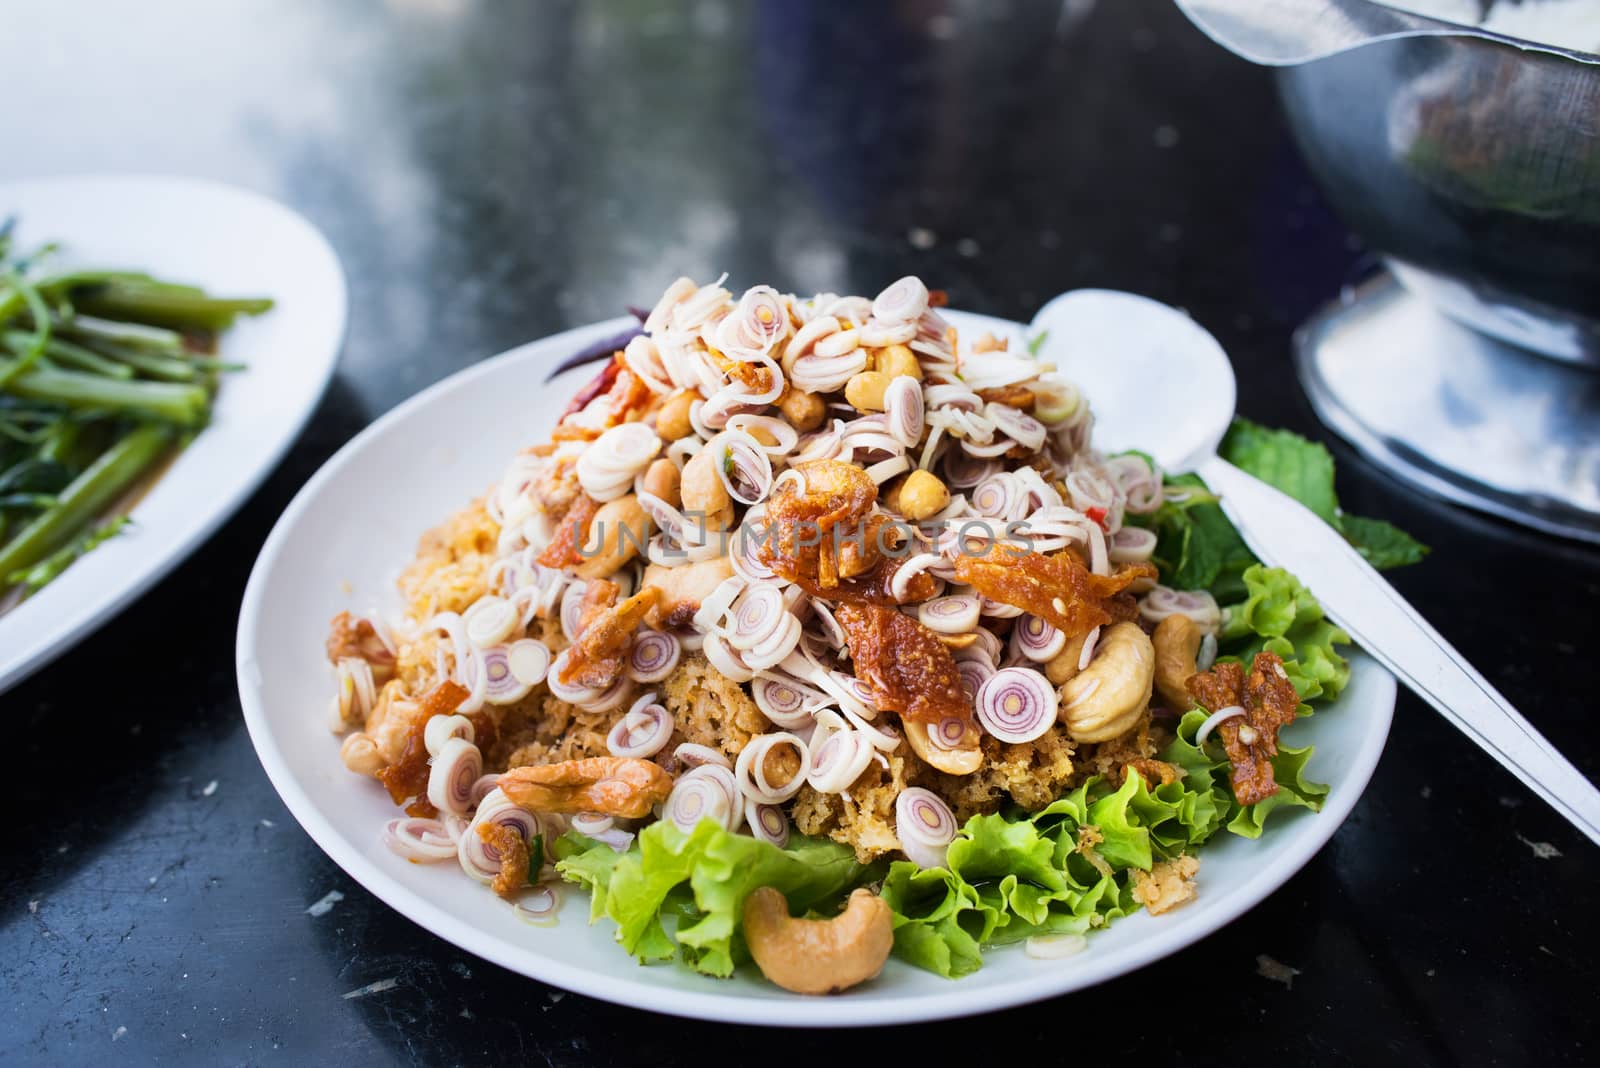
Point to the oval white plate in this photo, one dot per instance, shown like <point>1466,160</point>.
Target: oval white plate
<point>347,534</point>
<point>234,243</point>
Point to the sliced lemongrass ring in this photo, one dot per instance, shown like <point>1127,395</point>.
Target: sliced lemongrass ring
<point>591,823</point>
<point>951,614</point>
<point>421,841</point>
<point>1221,715</point>
<point>529,661</point>
<point>1017,705</point>
<point>440,729</point>
<point>490,621</point>
<point>653,656</point>
<point>750,770</point>
<point>693,755</point>
<point>925,826</point>
<point>1037,639</point>
<point>1054,947</point>
<point>767,822</point>
<point>454,773</point>
<point>642,732</point>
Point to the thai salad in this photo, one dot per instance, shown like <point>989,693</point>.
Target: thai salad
<point>816,632</point>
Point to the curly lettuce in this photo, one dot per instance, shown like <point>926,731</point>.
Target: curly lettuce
<point>696,884</point>
<point>1279,615</point>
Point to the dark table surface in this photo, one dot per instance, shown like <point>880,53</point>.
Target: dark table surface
<point>491,173</point>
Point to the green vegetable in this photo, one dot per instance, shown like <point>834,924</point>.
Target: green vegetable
<point>34,578</point>
<point>1010,877</point>
<point>183,404</point>
<point>700,880</point>
<point>1196,546</point>
<point>86,497</point>
<point>1206,770</point>
<point>34,348</point>
<point>1279,615</point>
<point>1304,470</point>
<point>1036,342</point>
<point>146,300</point>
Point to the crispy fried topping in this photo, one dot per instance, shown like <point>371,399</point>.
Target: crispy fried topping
<point>353,637</point>
<point>514,857</point>
<point>408,776</point>
<point>1058,589</point>
<point>1154,772</point>
<point>908,668</point>
<point>624,787</point>
<point>1269,701</point>
<point>596,657</point>
<point>1167,885</point>
<point>571,533</point>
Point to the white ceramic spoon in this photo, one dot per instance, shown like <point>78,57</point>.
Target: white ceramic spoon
<point>1159,382</point>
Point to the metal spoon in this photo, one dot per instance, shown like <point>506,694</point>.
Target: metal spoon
<point>1282,33</point>
<point>1161,383</point>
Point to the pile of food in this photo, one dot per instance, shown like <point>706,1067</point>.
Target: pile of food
<point>815,631</point>
<point>102,374</point>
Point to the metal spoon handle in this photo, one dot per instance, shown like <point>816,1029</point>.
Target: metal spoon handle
<point>1284,533</point>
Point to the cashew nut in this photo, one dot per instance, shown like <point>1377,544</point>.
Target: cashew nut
<point>963,760</point>
<point>1177,640</point>
<point>1106,698</point>
<point>1064,664</point>
<point>818,956</point>
<point>616,534</point>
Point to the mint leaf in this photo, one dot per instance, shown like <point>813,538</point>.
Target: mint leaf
<point>1383,544</point>
<point>1303,469</point>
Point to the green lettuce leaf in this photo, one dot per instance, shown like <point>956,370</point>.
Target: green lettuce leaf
<point>700,880</point>
<point>1206,772</point>
<point>1279,615</point>
<point>1294,791</point>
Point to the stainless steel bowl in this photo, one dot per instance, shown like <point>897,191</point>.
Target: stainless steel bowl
<point>1474,167</point>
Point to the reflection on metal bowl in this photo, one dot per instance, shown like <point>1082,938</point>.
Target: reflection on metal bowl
<point>1474,166</point>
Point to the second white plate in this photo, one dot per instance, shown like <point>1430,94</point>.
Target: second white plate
<point>233,243</point>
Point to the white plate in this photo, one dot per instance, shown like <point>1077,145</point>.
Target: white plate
<point>357,522</point>
<point>234,243</point>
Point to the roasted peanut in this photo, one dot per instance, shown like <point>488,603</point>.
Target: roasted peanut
<point>672,421</point>
<point>1106,698</point>
<point>897,360</point>
<point>865,390</point>
<point>702,488</point>
<point>662,480</point>
<point>818,956</point>
<point>1176,641</point>
<point>922,495</point>
<point>805,411</point>
<point>620,529</point>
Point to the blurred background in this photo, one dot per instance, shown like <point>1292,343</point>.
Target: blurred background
<point>492,172</point>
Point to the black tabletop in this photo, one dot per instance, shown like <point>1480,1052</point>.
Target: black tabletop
<point>494,172</point>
